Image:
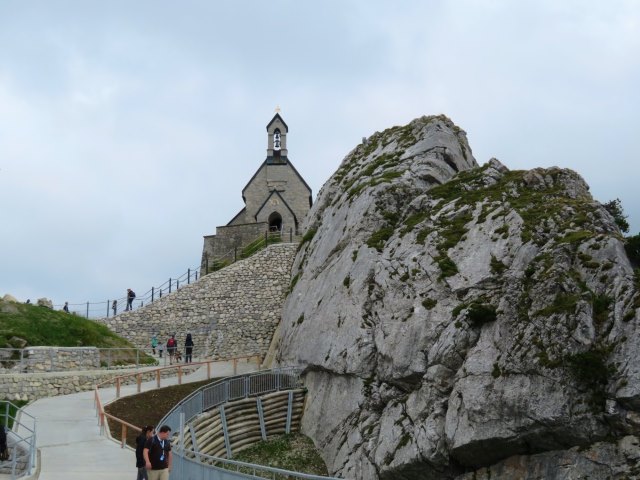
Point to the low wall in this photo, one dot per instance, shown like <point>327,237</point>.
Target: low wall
<point>46,359</point>
<point>32,386</point>
<point>231,313</point>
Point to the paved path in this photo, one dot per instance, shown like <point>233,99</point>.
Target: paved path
<point>69,438</point>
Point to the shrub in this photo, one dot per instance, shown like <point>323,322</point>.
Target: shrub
<point>429,303</point>
<point>480,314</point>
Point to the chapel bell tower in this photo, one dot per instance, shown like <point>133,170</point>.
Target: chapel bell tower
<point>277,140</point>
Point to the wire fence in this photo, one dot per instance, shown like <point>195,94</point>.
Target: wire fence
<point>115,306</point>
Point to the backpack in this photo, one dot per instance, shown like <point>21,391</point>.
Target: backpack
<point>171,343</point>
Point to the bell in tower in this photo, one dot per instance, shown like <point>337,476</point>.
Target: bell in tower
<point>277,141</point>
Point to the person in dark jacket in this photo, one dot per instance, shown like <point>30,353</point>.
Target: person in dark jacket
<point>145,434</point>
<point>130,296</point>
<point>188,343</point>
<point>4,450</point>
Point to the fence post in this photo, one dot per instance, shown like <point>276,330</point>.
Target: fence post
<point>108,303</point>
<point>177,284</point>
<point>152,293</point>
<point>188,276</point>
<point>235,254</point>
<point>266,238</point>
<point>87,309</point>
<point>169,284</point>
<point>160,293</point>
<point>290,234</point>
<point>196,275</point>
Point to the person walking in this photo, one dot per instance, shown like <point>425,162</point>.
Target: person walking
<point>130,296</point>
<point>157,454</point>
<point>172,346</point>
<point>188,350</point>
<point>160,349</point>
<point>66,307</point>
<point>145,434</point>
<point>114,307</point>
<point>154,344</point>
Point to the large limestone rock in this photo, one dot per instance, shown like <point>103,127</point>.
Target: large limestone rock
<point>450,316</point>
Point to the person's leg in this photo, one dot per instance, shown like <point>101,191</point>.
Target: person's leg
<point>154,474</point>
<point>164,474</point>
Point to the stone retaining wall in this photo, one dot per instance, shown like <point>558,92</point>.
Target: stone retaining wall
<point>32,386</point>
<point>46,359</point>
<point>232,312</point>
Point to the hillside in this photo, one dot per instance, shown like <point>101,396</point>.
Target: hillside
<point>41,326</point>
<point>464,321</point>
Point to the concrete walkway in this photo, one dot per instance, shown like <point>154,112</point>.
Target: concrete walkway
<point>69,438</point>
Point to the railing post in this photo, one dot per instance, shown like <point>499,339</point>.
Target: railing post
<point>124,436</point>
<point>108,303</point>
<point>169,284</point>
<point>287,429</point>
<point>208,370</point>
<point>152,293</point>
<point>188,276</point>
<point>179,374</point>
<point>235,254</point>
<point>139,382</point>
<point>117,387</point>
<point>137,358</point>
<point>177,284</point>
<point>196,275</point>
<point>290,234</point>
<point>158,378</point>
<point>160,293</point>
<point>235,366</point>
<point>87,309</point>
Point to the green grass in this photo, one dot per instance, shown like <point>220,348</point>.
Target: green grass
<point>259,244</point>
<point>11,409</point>
<point>378,239</point>
<point>289,452</point>
<point>40,326</point>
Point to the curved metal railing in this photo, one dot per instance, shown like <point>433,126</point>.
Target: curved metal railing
<point>216,394</point>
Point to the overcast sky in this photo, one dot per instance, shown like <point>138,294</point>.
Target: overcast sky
<point>128,129</point>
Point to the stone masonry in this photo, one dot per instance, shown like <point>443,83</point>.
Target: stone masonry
<point>231,313</point>
<point>32,386</point>
<point>44,359</point>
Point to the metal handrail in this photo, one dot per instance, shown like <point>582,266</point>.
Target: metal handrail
<point>104,309</point>
<point>29,439</point>
<point>118,381</point>
<point>197,402</point>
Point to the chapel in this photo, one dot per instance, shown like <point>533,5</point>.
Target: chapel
<point>276,200</point>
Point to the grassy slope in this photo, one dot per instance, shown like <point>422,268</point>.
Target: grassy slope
<point>40,326</point>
